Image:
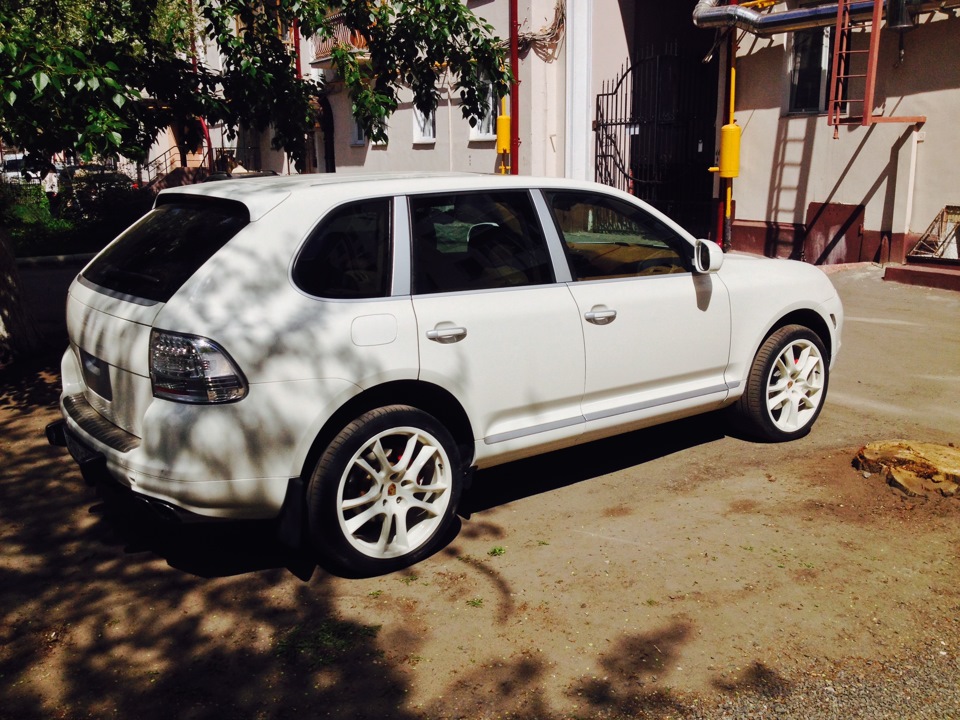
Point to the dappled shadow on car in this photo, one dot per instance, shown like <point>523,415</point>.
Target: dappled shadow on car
<point>525,478</point>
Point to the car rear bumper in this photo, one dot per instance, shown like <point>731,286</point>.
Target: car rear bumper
<point>107,455</point>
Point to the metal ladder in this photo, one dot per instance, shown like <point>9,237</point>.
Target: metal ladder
<point>846,95</point>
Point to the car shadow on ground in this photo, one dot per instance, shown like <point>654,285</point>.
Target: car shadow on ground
<point>205,549</point>
<point>525,478</point>
<point>222,549</point>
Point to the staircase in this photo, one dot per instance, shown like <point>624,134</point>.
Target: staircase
<point>934,261</point>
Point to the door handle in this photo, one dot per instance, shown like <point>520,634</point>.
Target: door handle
<point>600,317</point>
<point>447,335</point>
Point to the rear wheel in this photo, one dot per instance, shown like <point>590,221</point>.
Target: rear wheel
<point>385,491</point>
<point>786,386</point>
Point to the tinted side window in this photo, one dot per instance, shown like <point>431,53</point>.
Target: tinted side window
<point>473,241</point>
<point>606,237</point>
<point>166,246</point>
<point>348,254</point>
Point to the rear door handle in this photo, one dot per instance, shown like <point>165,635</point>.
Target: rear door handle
<point>447,335</point>
<point>600,317</point>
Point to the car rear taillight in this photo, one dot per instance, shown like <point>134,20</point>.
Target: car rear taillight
<point>192,369</point>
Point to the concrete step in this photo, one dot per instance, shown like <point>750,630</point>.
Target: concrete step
<point>945,277</point>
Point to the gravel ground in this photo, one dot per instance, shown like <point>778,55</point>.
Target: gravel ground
<point>925,686</point>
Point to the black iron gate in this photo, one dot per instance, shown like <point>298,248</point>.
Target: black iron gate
<point>655,133</point>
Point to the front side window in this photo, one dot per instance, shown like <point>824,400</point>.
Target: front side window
<point>477,240</point>
<point>609,238</point>
<point>348,254</point>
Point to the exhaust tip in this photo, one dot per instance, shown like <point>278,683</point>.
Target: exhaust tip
<point>56,433</point>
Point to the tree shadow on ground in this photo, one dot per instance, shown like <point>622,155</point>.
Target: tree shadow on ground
<point>94,623</point>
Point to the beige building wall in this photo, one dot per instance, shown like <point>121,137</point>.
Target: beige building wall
<point>902,175</point>
<point>457,147</point>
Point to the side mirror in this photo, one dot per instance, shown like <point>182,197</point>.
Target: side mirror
<point>707,257</point>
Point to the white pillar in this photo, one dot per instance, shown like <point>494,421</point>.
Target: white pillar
<point>579,130</point>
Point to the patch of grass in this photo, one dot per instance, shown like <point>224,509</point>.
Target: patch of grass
<point>324,643</point>
<point>475,602</point>
<point>375,593</point>
<point>496,551</point>
<point>409,579</point>
<point>542,542</point>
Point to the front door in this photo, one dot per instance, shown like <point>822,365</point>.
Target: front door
<point>656,335</point>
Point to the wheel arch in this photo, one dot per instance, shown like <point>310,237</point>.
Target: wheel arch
<point>809,319</point>
<point>424,396</point>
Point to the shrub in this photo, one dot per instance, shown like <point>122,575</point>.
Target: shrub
<point>83,219</point>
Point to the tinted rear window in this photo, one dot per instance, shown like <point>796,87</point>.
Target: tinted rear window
<point>165,247</point>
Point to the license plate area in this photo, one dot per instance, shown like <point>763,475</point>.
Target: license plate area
<point>80,452</point>
<point>96,375</point>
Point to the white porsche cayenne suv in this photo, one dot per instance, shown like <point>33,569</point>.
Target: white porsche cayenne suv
<point>340,352</point>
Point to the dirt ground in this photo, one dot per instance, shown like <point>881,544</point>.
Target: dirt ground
<point>636,577</point>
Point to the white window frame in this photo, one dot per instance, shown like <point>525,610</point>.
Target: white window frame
<point>358,138</point>
<point>424,127</point>
<point>486,129</point>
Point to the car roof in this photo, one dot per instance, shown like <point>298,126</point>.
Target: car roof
<point>262,194</point>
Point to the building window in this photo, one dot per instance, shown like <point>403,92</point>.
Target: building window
<point>357,135</point>
<point>486,129</point>
<point>810,71</point>
<point>424,126</point>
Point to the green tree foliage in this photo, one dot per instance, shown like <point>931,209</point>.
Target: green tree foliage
<point>104,77</point>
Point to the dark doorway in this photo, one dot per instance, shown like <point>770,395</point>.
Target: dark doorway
<point>656,122</point>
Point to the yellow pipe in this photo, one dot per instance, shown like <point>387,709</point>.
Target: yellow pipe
<point>733,82</point>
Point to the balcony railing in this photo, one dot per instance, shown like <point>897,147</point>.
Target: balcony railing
<point>342,35</point>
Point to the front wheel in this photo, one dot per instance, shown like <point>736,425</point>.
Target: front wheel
<point>786,386</point>
<point>385,491</point>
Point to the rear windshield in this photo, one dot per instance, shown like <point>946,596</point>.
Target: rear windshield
<point>156,256</point>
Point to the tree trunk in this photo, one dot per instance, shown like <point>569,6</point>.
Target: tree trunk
<point>18,335</point>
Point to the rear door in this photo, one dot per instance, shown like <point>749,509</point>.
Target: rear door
<point>494,328</point>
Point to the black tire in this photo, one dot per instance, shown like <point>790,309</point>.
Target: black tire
<point>786,387</point>
<point>367,513</point>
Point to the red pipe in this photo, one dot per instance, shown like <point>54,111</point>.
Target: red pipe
<point>514,90</point>
<point>296,46</point>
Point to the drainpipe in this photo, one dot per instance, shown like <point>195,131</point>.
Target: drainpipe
<point>514,90</point>
<point>728,209</point>
<point>296,48</point>
<point>299,70</point>
<point>706,14</point>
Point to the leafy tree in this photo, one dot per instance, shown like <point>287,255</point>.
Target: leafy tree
<point>104,77</point>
